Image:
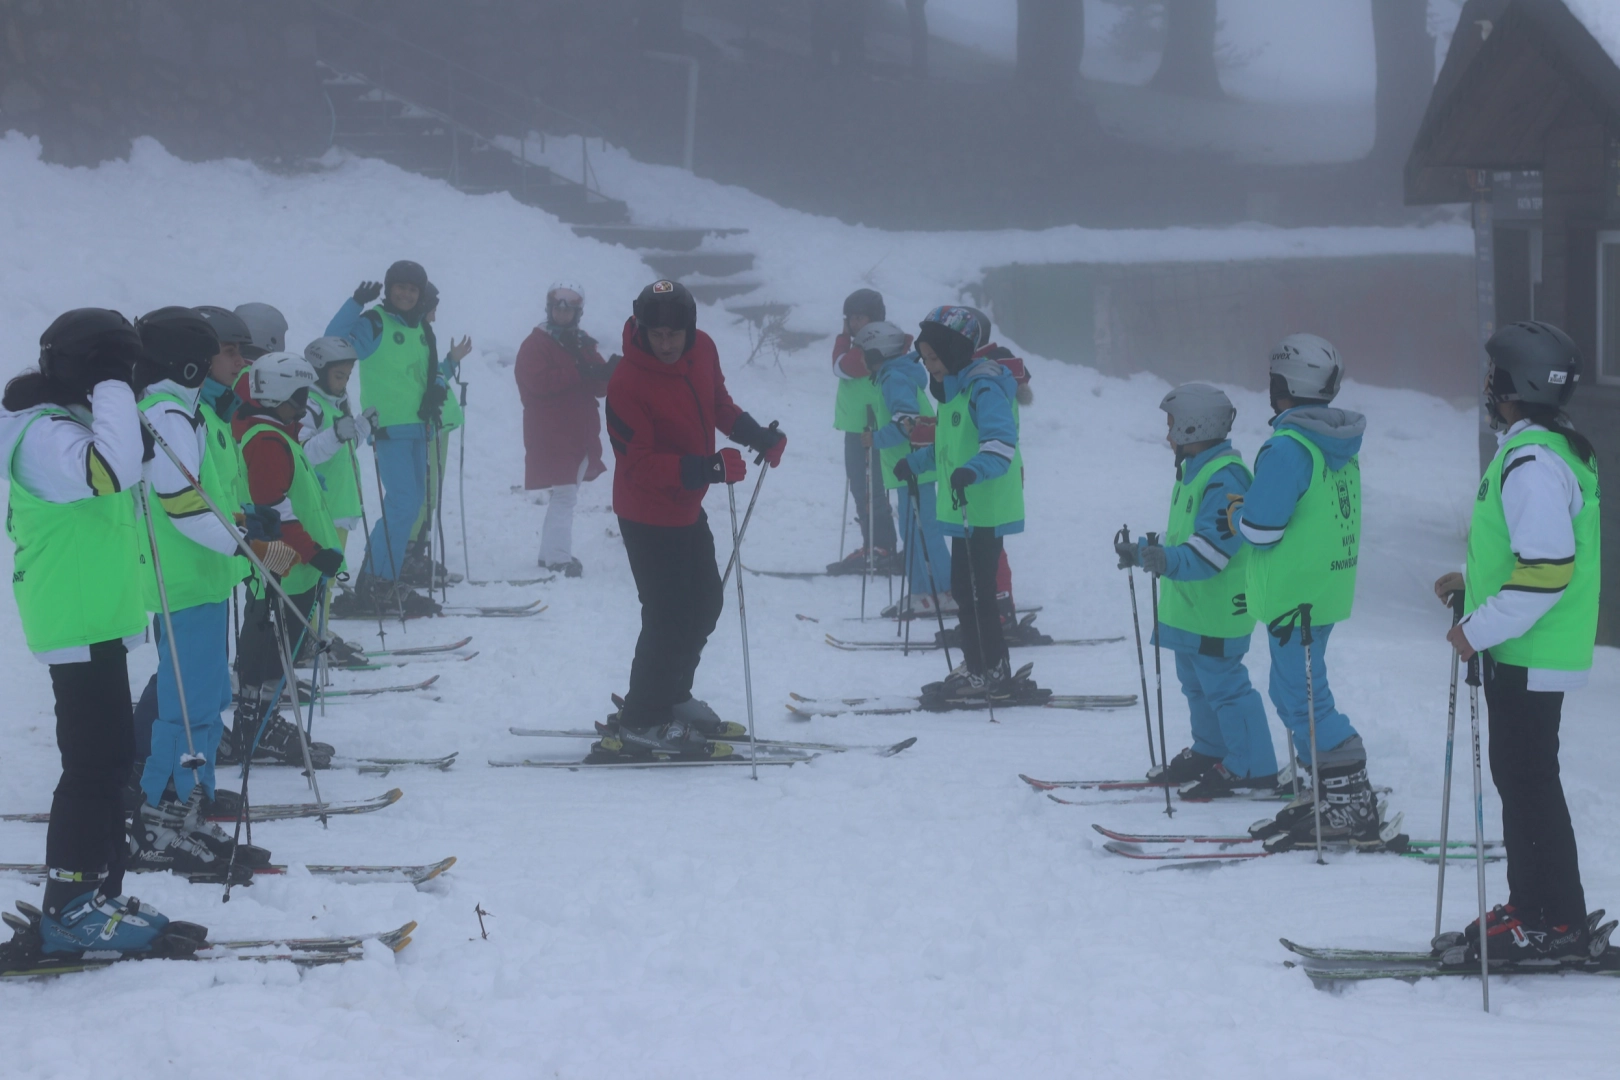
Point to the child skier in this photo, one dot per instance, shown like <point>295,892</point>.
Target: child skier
<point>1203,615</point>
<point>980,499</point>
<point>442,414</point>
<point>899,376</point>
<point>854,413</point>
<point>1531,595</point>
<point>1302,517</point>
<point>73,442</point>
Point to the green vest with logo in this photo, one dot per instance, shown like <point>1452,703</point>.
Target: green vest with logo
<point>393,378</point>
<point>854,395</point>
<point>956,440</point>
<point>1315,561</point>
<point>337,473</point>
<point>194,574</point>
<point>1563,638</point>
<point>308,505</point>
<point>1214,607</point>
<point>222,441</point>
<point>79,565</point>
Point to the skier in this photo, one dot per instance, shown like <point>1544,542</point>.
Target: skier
<point>267,328</point>
<point>898,373</point>
<point>394,380</point>
<point>442,414</point>
<point>279,477</point>
<point>200,569</point>
<point>560,374</point>
<point>854,414</point>
<point>1203,616</point>
<point>1302,518</point>
<point>1531,596</point>
<point>665,402</point>
<point>73,443</point>
<point>980,497</point>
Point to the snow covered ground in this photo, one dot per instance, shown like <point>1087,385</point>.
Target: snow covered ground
<point>925,915</point>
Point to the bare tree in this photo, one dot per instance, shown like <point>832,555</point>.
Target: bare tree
<point>1051,38</point>
<point>1405,60</point>
<point>1187,66</point>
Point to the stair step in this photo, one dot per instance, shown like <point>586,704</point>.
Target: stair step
<point>659,237</point>
<point>679,264</point>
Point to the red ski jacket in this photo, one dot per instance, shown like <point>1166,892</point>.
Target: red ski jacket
<point>561,425</point>
<point>658,414</point>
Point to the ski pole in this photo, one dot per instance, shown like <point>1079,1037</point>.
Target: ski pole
<point>1124,537</point>
<point>748,515</point>
<point>190,759</point>
<point>1306,641</point>
<point>461,482</point>
<point>365,523</point>
<point>270,580</point>
<point>843,525</point>
<point>291,674</point>
<point>441,452</point>
<point>902,625</point>
<point>915,495</point>
<point>978,607</point>
<point>1445,787</point>
<point>322,673</point>
<point>1158,680</point>
<point>742,619</point>
<point>871,506</point>
<point>1479,829</point>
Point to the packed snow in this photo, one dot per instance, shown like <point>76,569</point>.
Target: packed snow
<point>925,915</point>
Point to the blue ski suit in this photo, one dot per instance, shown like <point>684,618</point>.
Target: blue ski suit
<point>900,380</point>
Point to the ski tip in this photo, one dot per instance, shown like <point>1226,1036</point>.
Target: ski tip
<point>1038,785</point>
<point>427,682</point>
<point>1099,829</point>
<point>392,796</point>
<point>903,744</point>
<point>436,869</point>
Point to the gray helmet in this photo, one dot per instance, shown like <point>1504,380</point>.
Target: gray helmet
<point>884,338</point>
<point>326,351</point>
<point>267,325</point>
<point>1532,362</point>
<point>1308,367</point>
<point>1198,412</point>
<point>228,325</point>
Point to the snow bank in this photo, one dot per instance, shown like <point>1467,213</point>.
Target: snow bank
<point>919,916</point>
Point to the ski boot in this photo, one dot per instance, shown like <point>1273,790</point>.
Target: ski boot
<point>159,840</point>
<point>198,826</point>
<point>381,598</point>
<point>278,746</point>
<point>697,714</point>
<point>421,571</point>
<point>348,604</point>
<point>1015,688</point>
<point>1218,783</point>
<point>671,740</point>
<point>85,923</point>
<point>1022,633</point>
<point>339,654</point>
<point>957,683</point>
<point>1184,768</point>
<point>1514,940</point>
<point>571,568</point>
<point>854,564</point>
<point>1349,813</point>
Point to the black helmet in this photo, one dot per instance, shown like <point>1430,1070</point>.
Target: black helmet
<point>228,326</point>
<point>868,302</point>
<point>1534,363</point>
<point>179,344</point>
<point>406,272</point>
<point>666,304</point>
<point>68,344</point>
<point>429,299</point>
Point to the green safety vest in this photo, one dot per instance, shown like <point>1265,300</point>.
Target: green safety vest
<point>1215,607</point>
<point>222,441</point>
<point>193,574</point>
<point>79,565</point>
<point>395,375</point>
<point>991,503</point>
<point>1563,638</point>
<point>890,455</point>
<point>1315,561</point>
<point>337,473</point>
<point>854,395</point>
<point>309,506</point>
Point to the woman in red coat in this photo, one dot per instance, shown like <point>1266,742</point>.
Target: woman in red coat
<point>560,375</point>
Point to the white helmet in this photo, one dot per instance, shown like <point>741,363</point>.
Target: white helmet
<point>1198,413</point>
<point>267,325</point>
<point>887,339</point>
<point>567,287</point>
<point>275,377</point>
<point>1308,366</point>
<point>323,352</point>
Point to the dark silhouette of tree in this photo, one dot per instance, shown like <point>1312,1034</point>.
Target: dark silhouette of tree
<point>1051,38</point>
<point>1405,60</point>
<point>1187,66</point>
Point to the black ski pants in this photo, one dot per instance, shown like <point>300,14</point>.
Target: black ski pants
<point>864,468</point>
<point>973,562</point>
<point>95,733</point>
<point>681,600</point>
<point>1543,870</point>
<point>258,653</point>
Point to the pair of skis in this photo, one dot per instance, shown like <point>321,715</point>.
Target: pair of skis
<point>899,705</point>
<point>932,646</point>
<point>1189,849</point>
<point>259,812</point>
<point>341,874</point>
<point>884,750</point>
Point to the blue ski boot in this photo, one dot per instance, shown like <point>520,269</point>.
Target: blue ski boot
<point>93,925</point>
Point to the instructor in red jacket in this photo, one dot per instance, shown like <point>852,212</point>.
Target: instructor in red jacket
<point>665,402</point>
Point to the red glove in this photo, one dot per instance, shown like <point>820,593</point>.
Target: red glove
<point>922,432</point>
<point>730,467</point>
<point>772,455</point>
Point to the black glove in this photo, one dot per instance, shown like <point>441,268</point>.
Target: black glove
<point>367,292</point>
<point>962,479</point>
<point>903,471</point>
<point>433,399</point>
<point>328,561</point>
<point>263,523</point>
<point>698,471</point>
<point>1155,560</point>
<point>1129,553</point>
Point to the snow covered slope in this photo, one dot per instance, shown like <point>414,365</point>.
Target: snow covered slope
<point>925,915</point>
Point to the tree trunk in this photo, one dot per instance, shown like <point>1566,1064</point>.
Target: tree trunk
<point>1051,38</point>
<point>1187,66</point>
<point>1405,58</point>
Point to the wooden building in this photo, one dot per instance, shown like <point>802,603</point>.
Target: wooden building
<point>1524,125</point>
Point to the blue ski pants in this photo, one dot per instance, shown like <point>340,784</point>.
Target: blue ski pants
<point>200,635</point>
<point>402,455</point>
<point>1288,694</point>
<point>919,530</point>
<point>1228,717</point>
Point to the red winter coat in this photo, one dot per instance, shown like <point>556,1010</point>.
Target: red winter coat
<point>657,414</point>
<point>561,425</point>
